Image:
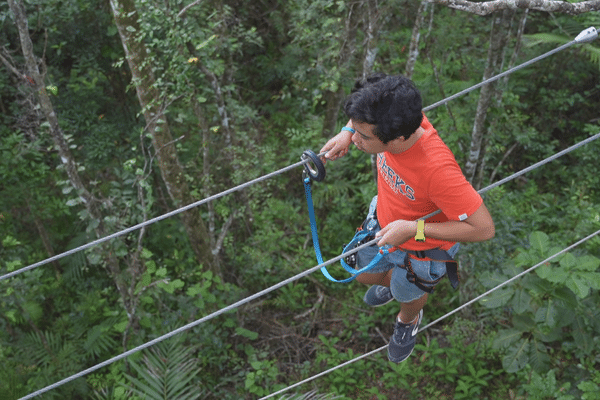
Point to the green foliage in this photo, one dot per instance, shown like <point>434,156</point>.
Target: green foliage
<point>244,87</point>
<point>544,307</point>
<point>545,387</point>
<point>262,375</point>
<point>168,372</point>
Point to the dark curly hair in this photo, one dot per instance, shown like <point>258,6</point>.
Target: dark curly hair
<point>390,102</point>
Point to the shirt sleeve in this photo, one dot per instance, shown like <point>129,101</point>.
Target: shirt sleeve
<point>451,192</point>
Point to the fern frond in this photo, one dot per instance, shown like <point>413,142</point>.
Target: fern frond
<point>166,374</point>
<point>75,264</point>
<point>544,38</point>
<point>593,52</point>
<point>313,395</point>
<point>147,387</point>
<point>41,348</point>
<point>98,341</point>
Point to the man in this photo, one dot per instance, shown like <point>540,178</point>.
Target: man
<point>417,175</point>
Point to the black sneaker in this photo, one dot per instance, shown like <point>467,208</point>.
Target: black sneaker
<point>378,295</point>
<point>403,340</point>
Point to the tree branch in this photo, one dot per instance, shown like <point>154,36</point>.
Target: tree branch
<point>12,68</point>
<point>184,10</point>
<point>489,7</point>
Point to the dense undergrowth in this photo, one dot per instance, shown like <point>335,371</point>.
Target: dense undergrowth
<point>249,100</point>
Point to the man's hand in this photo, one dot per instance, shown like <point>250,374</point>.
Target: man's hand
<point>337,146</point>
<point>397,232</point>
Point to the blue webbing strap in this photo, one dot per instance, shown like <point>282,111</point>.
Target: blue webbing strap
<point>359,236</point>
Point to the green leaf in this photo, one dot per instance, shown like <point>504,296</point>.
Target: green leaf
<point>10,241</point>
<point>516,356</point>
<point>130,28</point>
<point>588,263</point>
<point>578,285</point>
<point>34,310</point>
<point>177,283</point>
<point>521,301</point>
<point>593,279</point>
<point>490,280</point>
<point>146,253</point>
<point>546,315</point>
<point>499,298</point>
<point>525,258</point>
<point>506,337</point>
<point>540,242</point>
<point>12,265</point>
<point>544,271</point>
<point>121,326</point>
<point>589,387</point>
<point>150,266</point>
<point>584,340</point>
<point>568,261</point>
<point>193,291</point>
<point>11,315</point>
<point>246,333</point>
<point>524,322</point>
<point>146,279</point>
<point>558,275</point>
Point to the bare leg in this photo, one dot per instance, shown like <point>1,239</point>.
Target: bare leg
<point>410,311</point>
<point>382,278</point>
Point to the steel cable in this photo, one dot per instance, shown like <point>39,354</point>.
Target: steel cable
<point>305,273</point>
<point>439,319</point>
<point>586,35</point>
<point>153,220</point>
<point>272,288</point>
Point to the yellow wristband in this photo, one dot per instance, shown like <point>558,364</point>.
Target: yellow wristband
<point>420,236</point>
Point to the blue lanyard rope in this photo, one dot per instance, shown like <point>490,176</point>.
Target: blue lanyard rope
<point>358,237</point>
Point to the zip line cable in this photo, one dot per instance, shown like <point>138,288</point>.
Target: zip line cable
<point>584,36</point>
<point>275,287</point>
<point>192,324</point>
<point>439,319</point>
<point>153,220</point>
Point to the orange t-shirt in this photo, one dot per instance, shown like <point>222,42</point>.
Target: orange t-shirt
<point>421,180</point>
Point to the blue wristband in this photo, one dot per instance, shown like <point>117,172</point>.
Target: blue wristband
<point>347,128</point>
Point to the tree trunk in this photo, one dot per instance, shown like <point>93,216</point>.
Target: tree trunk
<point>91,203</point>
<point>56,133</point>
<point>334,98</point>
<point>413,51</point>
<point>370,53</point>
<point>125,15</point>
<point>370,42</point>
<point>497,43</point>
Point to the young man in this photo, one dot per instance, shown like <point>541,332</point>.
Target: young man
<point>417,175</point>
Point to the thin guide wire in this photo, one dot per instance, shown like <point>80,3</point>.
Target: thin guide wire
<point>305,273</point>
<point>587,37</point>
<point>439,319</point>
<point>153,220</point>
<point>257,295</point>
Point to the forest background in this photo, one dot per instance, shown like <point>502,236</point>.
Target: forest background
<point>115,112</point>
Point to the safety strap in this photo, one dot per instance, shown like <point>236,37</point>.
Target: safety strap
<point>433,255</point>
<point>357,238</point>
<point>363,236</point>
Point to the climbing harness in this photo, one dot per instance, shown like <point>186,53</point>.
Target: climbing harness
<point>366,233</point>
